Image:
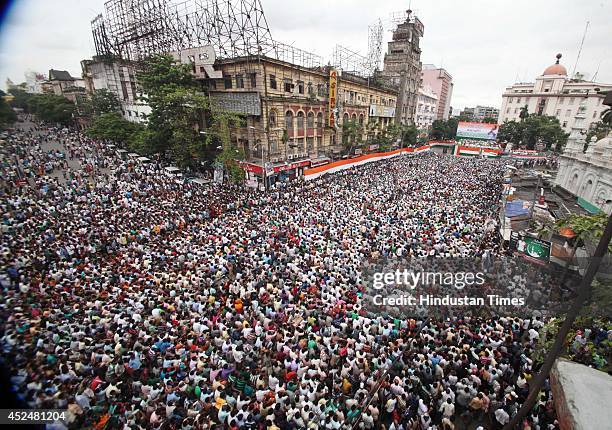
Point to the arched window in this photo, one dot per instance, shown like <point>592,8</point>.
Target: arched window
<point>345,118</point>
<point>272,118</point>
<point>310,120</point>
<point>300,120</point>
<point>320,120</point>
<point>354,118</point>
<point>361,119</point>
<point>289,120</point>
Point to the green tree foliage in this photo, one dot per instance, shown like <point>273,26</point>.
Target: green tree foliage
<point>223,122</point>
<point>21,99</point>
<point>52,108</point>
<point>409,135</point>
<point>103,101</point>
<point>7,114</point>
<point>532,129</point>
<point>444,129</point>
<point>177,108</point>
<point>524,113</point>
<point>598,131</point>
<point>489,120</point>
<point>586,227</point>
<point>112,126</point>
<point>352,134</point>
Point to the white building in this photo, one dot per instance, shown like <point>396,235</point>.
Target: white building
<point>118,77</point>
<point>427,107</point>
<point>576,103</point>
<point>34,82</point>
<point>587,175</point>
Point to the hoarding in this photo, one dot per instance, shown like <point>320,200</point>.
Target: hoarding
<point>477,130</point>
<point>247,103</point>
<point>531,248</point>
<point>333,92</point>
<point>382,111</point>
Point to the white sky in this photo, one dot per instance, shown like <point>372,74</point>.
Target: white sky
<point>484,44</point>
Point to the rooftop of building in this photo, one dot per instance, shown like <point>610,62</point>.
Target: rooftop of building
<point>60,75</point>
<point>374,81</point>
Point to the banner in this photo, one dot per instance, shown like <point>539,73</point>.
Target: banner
<point>531,248</point>
<point>333,92</point>
<point>477,130</point>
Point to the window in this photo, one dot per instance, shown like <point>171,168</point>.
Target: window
<point>310,89</point>
<point>227,81</point>
<point>571,100</point>
<point>510,100</point>
<point>273,82</point>
<point>515,110</point>
<point>212,84</point>
<point>273,146</point>
<point>321,90</point>
<point>345,118</point>
<point>300,120</point>
<point>564,123</point>
<point>354,117</point>
<point>508,110</point>
<point>289,120</point>
<point>361,119</point>
<point>288,86</point>
<point>558,112</point>
<point>310,120</point>
<point>239,81</point>
<point>320,120</point>
<point>595,114</point>
<point>568,112</point>
<point>561,100</point>
<point>253,79</point>
<point>310,144</point>
<point>272,118</point>
<point>518,100</point>
<point>300,87</point>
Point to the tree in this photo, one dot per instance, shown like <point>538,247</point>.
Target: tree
<point>7,114</point>
<point>409,135</point>
<point>532,129</point>
<point>352,134</point>
<point>112,126</point>
<point>177,110</point>
<point>489,120</point>
<point>103,101</point>
<point>21,99</point>
<point>597,131</point>
<point>444,129</point>
<point>510,131</point>
<point>52,108</point>
<point>524,113</point>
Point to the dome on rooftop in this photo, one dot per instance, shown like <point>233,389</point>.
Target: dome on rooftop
<point>556,69</point>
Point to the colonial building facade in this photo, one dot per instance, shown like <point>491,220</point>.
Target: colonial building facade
<point>288,110</point>
<point>574,102</point>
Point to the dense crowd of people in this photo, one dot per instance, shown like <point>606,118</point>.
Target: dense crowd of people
<point>136,301</point>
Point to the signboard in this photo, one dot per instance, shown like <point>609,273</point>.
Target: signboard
<point>382,111</point>
<point>531,248</point>
<point>218,176</point>
<point>333,94</point>
<point>247,103</point>
<point>477,130</point>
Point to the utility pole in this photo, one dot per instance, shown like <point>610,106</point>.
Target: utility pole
<point>584,291</point>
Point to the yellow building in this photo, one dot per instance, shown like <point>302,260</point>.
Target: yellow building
<point>288,110</point>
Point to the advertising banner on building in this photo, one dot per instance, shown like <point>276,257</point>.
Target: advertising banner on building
<point>477,130</point>
<point>333,93</point>
<point>531,248</point>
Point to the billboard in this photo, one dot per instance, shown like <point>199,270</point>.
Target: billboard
<point>477,130</point>
<point>333,92</point>
<point>382,111</point>
<point>531,248</point>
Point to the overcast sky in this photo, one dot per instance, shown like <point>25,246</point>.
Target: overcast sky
<point>484,44</point>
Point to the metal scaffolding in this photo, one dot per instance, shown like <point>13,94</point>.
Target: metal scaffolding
<point>375,43</point>
<point>350,61</point>
<point>136,29</point>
